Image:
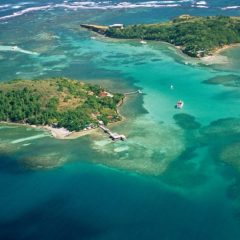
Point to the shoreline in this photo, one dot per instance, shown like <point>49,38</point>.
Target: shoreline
<point>63,133</point>
<point>214,58</point>
<point>59,133</point>
<point>225,47</point>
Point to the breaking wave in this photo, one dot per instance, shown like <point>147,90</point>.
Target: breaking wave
<point>13,10</point>
<point>230,7</point>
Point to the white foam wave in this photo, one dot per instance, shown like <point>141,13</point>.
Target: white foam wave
<point>199,6</point>
<point>230,7</point>
<point>26,3</point>
<point>201,3</point>
<point>4,6</point>
<point>27,10</point>
<point>16,7</point>
<point>104,5</point>
<point>92,5</point>
<point>159,2</point>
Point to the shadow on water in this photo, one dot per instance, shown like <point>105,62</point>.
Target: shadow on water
<point>186,121</point>
<point>10,165</point>
<point>220,142</point>
<point>135,210</point>
<point>50,223</point>
<point>230,80</point>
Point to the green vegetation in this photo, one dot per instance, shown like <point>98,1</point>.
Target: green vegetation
<point>196,36</point>
<point>60,102</point>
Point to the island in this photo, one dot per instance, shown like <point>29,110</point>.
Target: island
<point>195,36</point>
<point>59,104</point>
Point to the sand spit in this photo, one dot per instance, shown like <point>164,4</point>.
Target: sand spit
<point>216,57</point>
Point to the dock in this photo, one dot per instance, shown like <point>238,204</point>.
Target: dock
<point>113,136</point>
<point>96,28</point>
<point>133,92</point>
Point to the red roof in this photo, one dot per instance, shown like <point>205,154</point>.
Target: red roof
<point>103,94</point>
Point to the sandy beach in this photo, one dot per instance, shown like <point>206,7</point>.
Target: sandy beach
<point>62,133</point>
<point>58,133</point>
<point>216,57</point>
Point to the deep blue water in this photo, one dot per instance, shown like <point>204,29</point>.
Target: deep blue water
<point>164,182</point>
<point>85,202</point>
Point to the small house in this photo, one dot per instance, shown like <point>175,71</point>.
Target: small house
<point>116,25</point>
<point>105,94</point>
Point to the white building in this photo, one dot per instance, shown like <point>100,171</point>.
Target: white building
<point>116,25</point>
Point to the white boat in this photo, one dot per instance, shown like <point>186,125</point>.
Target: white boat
<point>179,104</point>
<point>143,42</point>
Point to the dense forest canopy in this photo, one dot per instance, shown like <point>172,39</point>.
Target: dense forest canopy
<point>60,102</point>
<point>197,36</point>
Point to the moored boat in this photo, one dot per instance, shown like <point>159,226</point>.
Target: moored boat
<point>179,104</point>
<point>143,42</point>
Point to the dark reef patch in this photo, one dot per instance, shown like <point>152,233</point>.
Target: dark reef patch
<point>226,127</point>
<point>186,121</point>
<point>231,155</point>
<point>188,154</point>
<point>227,80</point>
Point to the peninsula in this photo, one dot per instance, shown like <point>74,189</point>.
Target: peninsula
<point>195,36</point>
<point>58,103</point>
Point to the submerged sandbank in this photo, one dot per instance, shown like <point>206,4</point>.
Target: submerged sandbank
<point>216,57</point>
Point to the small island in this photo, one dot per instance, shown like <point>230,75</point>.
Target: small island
<point>195,36</point>
<point>59,104</point>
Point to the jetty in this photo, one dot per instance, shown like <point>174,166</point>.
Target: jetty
<point>133,92</point>
<point>113,136</point>
<point>102,29</point>
<point>96,28</point>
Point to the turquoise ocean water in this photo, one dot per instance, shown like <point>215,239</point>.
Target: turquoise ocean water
<point>177,177</point>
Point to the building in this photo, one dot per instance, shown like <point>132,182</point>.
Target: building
<point>116,25</point>
<point>105,94</point>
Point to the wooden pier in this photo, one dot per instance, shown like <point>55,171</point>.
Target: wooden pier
<point>133,92</point>
<point>96,28</point>
<point>113,136</point>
